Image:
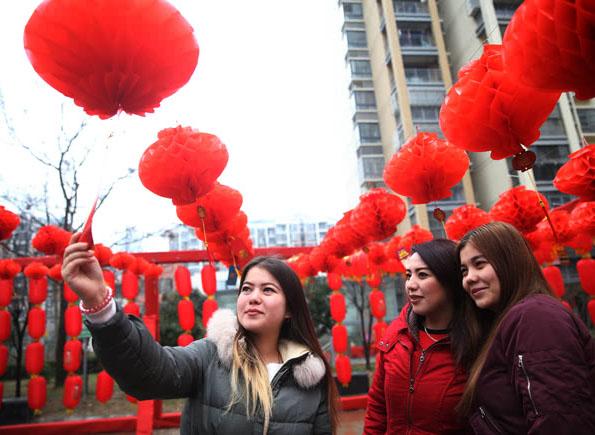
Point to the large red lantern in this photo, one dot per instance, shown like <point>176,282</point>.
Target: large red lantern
<point>183,281</point>
<point>560,220</point>
<point>340,339</point>
<point>464,219</point>
<point>3,359</point>
<point>122,260</point>
<point>104,389</point>
<point>213,211</point>
<point>577,175</point>
<point>186,315</point>
<point>586,274</point>
<point>376,254</point>
<point>208,308</point>
<point>426,168</point>
<point>73,388</point>
<point>550,45</point>
<point>554,278</point>
<point>36,322</point>
<point>346,235</point>
<point>34,358</point>
<point>36,393</point>
<point>73,321</point>
<point>487,110</point>
<point>9,269</point>
<point>338,307</point>
<point>72,355</point>
<point>5,319</point>
<point>209,279</point>
<point>183,164</point>
<point>343,369</point>
<point>110,62</point>
<point>582,218</point>
<point>51,240</point>
<point>378,214</point>
<point>520,207</point>
<point>8,223</point>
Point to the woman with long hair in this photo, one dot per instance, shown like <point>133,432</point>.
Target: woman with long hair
<point>535,372</point>
<point>260,370</point>
<point>423,357</point>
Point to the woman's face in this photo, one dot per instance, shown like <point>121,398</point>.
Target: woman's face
<point>479,278</point>
<point>425,292</point>
<point>261,305</point>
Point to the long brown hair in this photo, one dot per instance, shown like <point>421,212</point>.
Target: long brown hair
<point>440,255</point>
<point>298,328</point>
<point>519,275</point>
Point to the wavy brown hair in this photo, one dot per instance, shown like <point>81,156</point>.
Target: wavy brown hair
<point>519,275</point>
<point>298,328</point>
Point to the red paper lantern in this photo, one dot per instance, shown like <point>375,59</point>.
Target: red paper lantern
<point>186,315</point>
<point>185,339</point>
<point>487,110</point>
<point>340,339</point>
<point>358,265</point>
<point>377,304</point>
<point>586,274</point>
<point>334,281</point>
<point>183,281</point>
<point>104,389</point>
<point>51,240</point>
<point>103,254</point>
<point>464,219</point>
<point>379,329</point>
<point>209,279</point>
<point>36,393</point>
<point>550,45</point>
<point>122,260</point>
<point>554,278</point>
<point>36,322</point>
<point>560,219</point>
<point>110,62</point>
<point>577,175</point>
<point>378,214</point>
<point>426,168</point>
<point>208,308</point>
<point>520,207</point>
<point>338,307</point>
<point>129,285</point>
<point>110,279</point>
<point>69,295</point>
<point>376,253</point>
<point>581,243</point>
<point>34,358</point>
<point>9,269</point>
<point>132,308</point>
<point>392,266</point>
<point>374,280</point>
<point>415,236</point>
<point>73,321</point>
<point>56,272</point>
<point>323,261</point>
<point>6,292</point>
<point>346,235</point>
<point>3,359</point>
<point>153,271</point>
<point>343,369</point>
<point>183,164</point>
<point>38,290</point>
<point>8,223</point>
<point>72,355</point>
<point>73,389</point>
<point>4,325</point>
<point>582,218</point>
<point>591,309</point>
<point>234,227</point>
<point>213,211</point>
<point>36,270</point>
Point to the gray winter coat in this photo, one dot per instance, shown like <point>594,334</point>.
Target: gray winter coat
<point>200,372</point>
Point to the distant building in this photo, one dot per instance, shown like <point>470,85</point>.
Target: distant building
<point>288,233</point>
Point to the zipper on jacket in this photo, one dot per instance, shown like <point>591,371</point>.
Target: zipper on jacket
<point>522,366</point>
<point>486,417</point>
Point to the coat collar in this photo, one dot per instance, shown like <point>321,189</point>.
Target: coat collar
<point>307,372</point>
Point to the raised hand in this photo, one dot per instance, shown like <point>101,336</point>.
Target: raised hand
<point>82,272</point>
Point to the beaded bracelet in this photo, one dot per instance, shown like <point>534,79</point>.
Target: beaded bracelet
<point>100,306</point>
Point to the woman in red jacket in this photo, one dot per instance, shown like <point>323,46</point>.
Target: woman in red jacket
<point>535,373</point>
<point>423,357</point>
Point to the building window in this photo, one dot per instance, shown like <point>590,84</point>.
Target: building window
<point>353,11</point>
<point>356,39</point>
<point>425,113</point>
<point>369,132</point>
<point>364,100</point>
<point>361,68</point>
<point>587,117</point>
<point>416,38</point>
<point>372,167</point>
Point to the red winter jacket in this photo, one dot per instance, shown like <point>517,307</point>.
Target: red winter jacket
<point>413,391</point>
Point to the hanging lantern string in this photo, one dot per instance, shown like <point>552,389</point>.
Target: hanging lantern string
<point>202,215</point>
<point>543,207</point>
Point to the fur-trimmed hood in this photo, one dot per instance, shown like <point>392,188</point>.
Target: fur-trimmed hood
<point>222,328</point>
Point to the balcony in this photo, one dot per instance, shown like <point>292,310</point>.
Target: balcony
<point>587,117</point>
<point>425,97</point>
<point>421,76</point>
<point>411,11</point>
<point>417,43</point>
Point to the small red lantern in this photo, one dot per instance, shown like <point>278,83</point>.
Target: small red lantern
<point>185,339</point>
<point>183,164</point>
<point>132,308</point>
<point>9,269</point>
<point>213,211</point>
<point>51,240</point>
<point>37,393</point>
<point>69,295</point>
<point>415,236</point>
<point>378,214</point>
<point>338,307</point>
<point>343,369</point>
<point>8,223</point>
<point>73,321</point>
<point>340,338</point>
<point>186,315</point>
<point>577,175</point>
<point>209,279</point>
<point>183,281</point>
<point>4,325</point>
<point>3,359</point>
<point>464,219</point>
<point>6,292</point>
<point>586,274</point>
<point>38,290</point>
<point>122,260</point>
<point>104,388</point>
<point>208,308</point>
<point>72,355</point>
<point>374,280</point>
<point>379,329</point>
<point>129,285</point>
<point>34,358</point>
<point>376,253</point>
<point>73,389</point>
<point>377,304</point>
<point>103,254</point>
<point>520,207</point>
<point>334,281</point>
<point>554,278</point>
<point>36,322</point>
<point>36,270</point>
<point>110,279</point>
<point>56,272</point>
<point>358,265</point>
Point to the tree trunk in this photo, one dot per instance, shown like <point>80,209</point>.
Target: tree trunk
<point>59,373</point>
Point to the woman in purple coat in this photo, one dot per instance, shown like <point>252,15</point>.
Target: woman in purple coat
<point>536,371</point>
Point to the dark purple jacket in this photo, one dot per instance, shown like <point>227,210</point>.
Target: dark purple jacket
<point>539,375</point>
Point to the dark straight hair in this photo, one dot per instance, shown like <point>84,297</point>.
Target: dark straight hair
<point>299,327</point>
<point>466,331</point>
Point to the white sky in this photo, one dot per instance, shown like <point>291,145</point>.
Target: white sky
<point>270,82</point>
